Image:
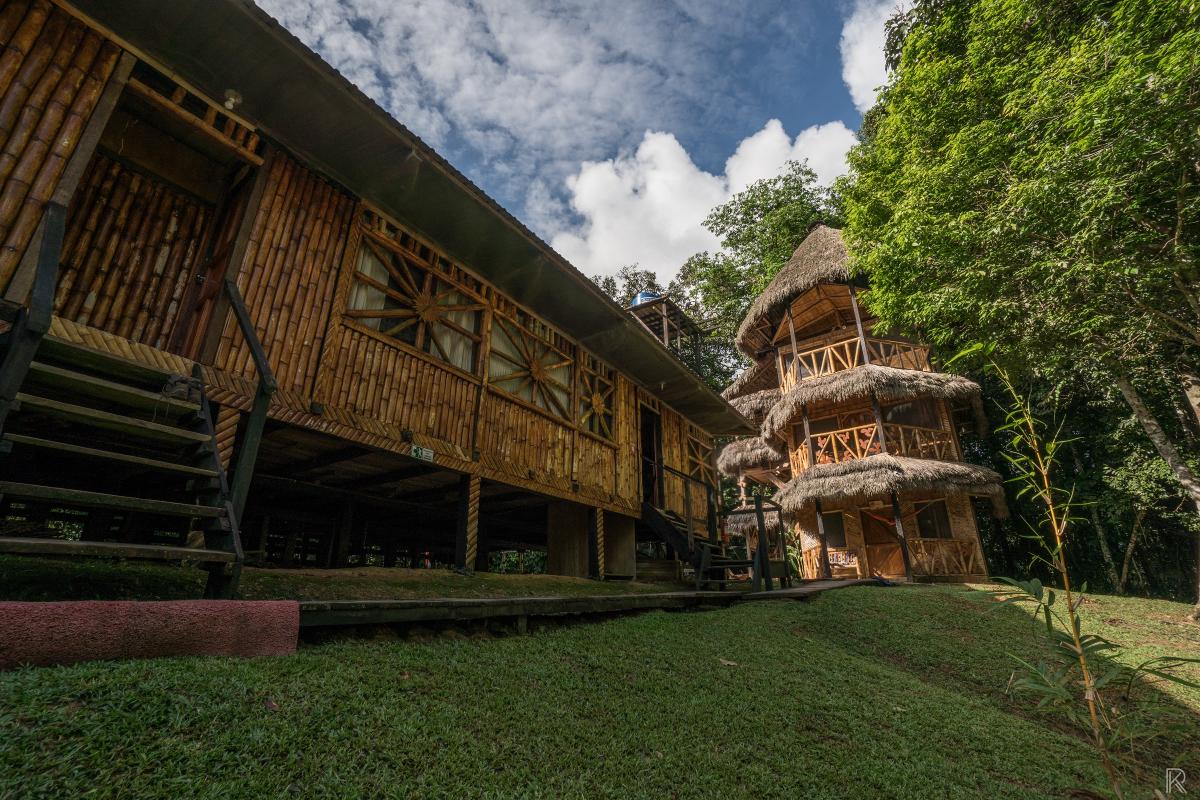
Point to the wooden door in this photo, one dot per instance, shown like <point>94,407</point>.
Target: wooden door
<point>652,456</point>
<point>883,550</point>
<point>204,289</point>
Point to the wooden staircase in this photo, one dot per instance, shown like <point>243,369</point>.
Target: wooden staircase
<point>706,557</point>
<point>105,457</point>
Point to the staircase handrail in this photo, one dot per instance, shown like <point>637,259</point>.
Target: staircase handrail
<point>32,321</point>
<point>243,469</point>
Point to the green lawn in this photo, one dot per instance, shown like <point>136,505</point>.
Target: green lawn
<point>861,692</point>
<point>29,578</point>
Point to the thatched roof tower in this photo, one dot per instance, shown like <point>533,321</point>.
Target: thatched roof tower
<point>852,420</point>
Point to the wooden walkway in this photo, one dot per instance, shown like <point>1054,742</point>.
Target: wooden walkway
<point>335,613</point>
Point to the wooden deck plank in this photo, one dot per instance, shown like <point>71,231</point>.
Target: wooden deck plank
<point>319,613</point>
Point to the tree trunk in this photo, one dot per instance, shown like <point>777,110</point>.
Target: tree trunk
<point>1191,392</point>
<point>1132,543</point>
<point>1098,526</point>
<point>1168,453</point>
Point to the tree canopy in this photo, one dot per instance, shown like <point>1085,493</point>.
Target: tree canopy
<point>1029,179</point>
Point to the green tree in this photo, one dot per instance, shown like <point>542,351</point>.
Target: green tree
<point>1029,178</point>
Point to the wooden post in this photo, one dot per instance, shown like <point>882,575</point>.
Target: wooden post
<point>596,543</point>
<point>340,550</point>
<point>826,569</point>
<point>795,347</point>
<point>466,542</point>
<point>862,336</point>
<point>900,535</point>
<point>687,513</point>
<point>764,555</point>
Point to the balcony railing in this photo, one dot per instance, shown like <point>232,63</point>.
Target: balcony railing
<point>862,441</point>
<point>847,354</point>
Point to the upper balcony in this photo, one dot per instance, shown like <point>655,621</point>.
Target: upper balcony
<point>862,441</point>
<point>826,359</point>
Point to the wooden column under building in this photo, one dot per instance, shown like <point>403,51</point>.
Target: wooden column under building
<point>826,570</point>
<point>596,543</point>
<point>466,543</point>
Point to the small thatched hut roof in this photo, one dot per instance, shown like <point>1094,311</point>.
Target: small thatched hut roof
<point>740,523</point>
<point>883,474</point>
<point>756,405</point>
<point>820,258</point>
<point>751,452</point>
<point>888,384</point>
<point>757,377</point>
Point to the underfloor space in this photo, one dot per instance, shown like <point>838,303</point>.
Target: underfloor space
<point>321,502</point>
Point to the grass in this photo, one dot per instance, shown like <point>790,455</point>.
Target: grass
<point>861,692</point>
<point>34,578</point>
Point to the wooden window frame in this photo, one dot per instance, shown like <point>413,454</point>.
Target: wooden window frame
<point>597,381</point>
<point>530,334</point>
<point>420,301</point>
<point>699,455</point>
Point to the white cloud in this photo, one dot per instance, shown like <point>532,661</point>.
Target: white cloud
<point>863,37</point>
<point>649,206</point>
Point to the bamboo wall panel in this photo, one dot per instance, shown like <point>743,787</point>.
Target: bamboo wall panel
<point>625,419</point>
<point>375,379</point>
<point>52,71</point>
<point>595,465</point>
<point>524,440</point>
<point>131,245</point>
<point>289,274</point>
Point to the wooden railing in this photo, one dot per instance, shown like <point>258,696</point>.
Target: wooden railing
<point>862,441</point>
<point>243,468</point>
<point>847,354</point>
<point>32,322</point>
<point>944,557</point>
<point>842,560</point>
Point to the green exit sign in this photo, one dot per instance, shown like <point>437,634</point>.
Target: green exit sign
<point>422,453</point>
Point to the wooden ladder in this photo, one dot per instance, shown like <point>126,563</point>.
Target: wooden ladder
<point>105,457</point>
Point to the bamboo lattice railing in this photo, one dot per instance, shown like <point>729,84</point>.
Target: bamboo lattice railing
<point>847,354</point>
<point>862,441</point>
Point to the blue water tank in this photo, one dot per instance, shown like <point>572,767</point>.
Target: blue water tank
<point>643,297</point>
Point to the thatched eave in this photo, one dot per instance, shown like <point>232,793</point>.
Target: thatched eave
<point>756,405</point>
<point>880,475</point>
<point>750,453</point>
<point>757,377</point>
<point>743,521</point>
<point>887,384</point>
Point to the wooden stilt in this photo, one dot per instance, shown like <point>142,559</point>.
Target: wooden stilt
<point>466,543</point>
<point>900,535</point>
<point>764,554</point>
<point>596,543</point>
<point>826,570</point>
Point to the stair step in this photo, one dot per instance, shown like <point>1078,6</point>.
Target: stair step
<point>81,497</point>
<point>56,547</point>
<point>150,463</point>
<point>109,365</point>
<point>91,386</point>
<point>110,421</point>
<point>8,310</point>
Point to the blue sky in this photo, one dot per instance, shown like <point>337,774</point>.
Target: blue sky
<point>611,127</point>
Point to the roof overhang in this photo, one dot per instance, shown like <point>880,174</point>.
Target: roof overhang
<point>304,104</point>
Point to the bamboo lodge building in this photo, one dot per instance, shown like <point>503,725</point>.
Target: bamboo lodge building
<point>857,432</point>
<point>249,317</point>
